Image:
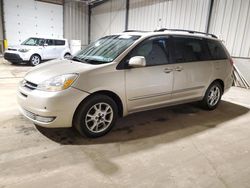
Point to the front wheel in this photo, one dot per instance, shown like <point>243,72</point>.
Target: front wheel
<point>96,116</point>
<point>35,60</point>
<point>212,97</point>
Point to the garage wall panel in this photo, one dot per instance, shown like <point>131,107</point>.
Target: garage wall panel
<point>76,21</point>
<point>108,18</point>
<point>29,18</point>
<point>153,14</point>
<point>1,29</point>
<point>231,22</point>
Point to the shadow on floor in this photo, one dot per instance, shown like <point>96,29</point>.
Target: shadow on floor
<point>177,122</point>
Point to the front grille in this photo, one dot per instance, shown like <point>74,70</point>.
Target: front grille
<point>30,85</point>
<point>12,57</point>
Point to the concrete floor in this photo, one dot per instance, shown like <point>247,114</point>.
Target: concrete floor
<point>181,146</point>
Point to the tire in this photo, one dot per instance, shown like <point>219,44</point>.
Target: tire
<point>90,117</point>
<point>35,60</point>
<point>212,96</point>
<point>67,56</point>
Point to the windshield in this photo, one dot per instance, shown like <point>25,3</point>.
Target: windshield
<point>106,49</point>
<point>34,42</point>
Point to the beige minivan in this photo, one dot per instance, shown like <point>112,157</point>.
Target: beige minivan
<point>125,73</point>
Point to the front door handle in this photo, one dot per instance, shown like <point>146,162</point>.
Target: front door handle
<point>168,70</point>
<point>179,68</point>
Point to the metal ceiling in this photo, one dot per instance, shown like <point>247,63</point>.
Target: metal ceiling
<point>87,2</point>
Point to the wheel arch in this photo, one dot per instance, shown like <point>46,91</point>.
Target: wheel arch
<point>65,53</point>
<point>37,55</point>
<point>108,93</point>
<point>220,82</point>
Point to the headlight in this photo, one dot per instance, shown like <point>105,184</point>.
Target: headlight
<point>58,83</point>
<point>23,50</point>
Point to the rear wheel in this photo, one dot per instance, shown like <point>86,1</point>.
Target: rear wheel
<point>212,97</point>
<point>35,60</point>
<point>67,56</point>
<point>96,116</point>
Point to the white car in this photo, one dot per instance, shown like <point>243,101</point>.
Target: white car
<point>35,50</point>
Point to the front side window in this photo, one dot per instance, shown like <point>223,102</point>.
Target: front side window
<point>34,42</point>
<point>155,51</point>
<point>189,50</point>
<point>106,49</point>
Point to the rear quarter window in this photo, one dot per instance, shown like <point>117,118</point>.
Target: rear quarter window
<point>59,42</point>
<point>217,52</point>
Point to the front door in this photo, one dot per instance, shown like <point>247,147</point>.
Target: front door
<point>150,86</point>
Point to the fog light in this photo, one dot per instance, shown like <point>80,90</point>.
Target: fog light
<point>44,119</point>
<point>36,117</point>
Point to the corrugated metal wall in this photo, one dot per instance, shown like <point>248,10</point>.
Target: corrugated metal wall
<point>230,19</point>
<point>29,18</point>
<point>76,21</point>
<point>181,14</point>
<point>108,18</point>
<point>1,24</point>
<point>1,29</point>
<point>231,22</point>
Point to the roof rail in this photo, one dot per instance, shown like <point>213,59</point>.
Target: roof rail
<point>126,31</point>
<point>189,31</point>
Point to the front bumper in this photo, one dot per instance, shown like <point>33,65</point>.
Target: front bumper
<point>50,109</point>
<point>13,57</point>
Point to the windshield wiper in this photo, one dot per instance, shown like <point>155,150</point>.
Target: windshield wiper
<point>78,59</point>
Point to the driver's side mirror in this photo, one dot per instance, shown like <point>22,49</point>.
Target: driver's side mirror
<point>137,61</point>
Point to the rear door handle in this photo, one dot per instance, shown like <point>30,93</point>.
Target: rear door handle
<point>179,68</point>
<point>168,70</point>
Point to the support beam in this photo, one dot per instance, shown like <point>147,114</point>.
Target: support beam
<point>211,4</point>
<point>127,15</point>
<point>89,23</point>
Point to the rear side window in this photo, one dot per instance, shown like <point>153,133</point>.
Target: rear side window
<point>155,51</point>
<point>216,50</point>
<point>50,42</point>
<point>189,50</point>
<point>59,42</point>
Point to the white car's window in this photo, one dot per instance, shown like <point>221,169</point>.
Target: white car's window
<point>50,42</point>
<point>59,42</point>
<point>105,49</point>
<point>34,42</point>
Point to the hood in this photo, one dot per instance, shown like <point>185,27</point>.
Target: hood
<point>14,47</point>
<point>57,67</point>
<point>17,47</point>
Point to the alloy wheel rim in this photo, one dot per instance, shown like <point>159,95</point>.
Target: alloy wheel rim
<point>35,60</point>
<point>214,96</point>
<point>99,117</point>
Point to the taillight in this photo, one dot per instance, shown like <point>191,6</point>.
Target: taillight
<point>231,61</point>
